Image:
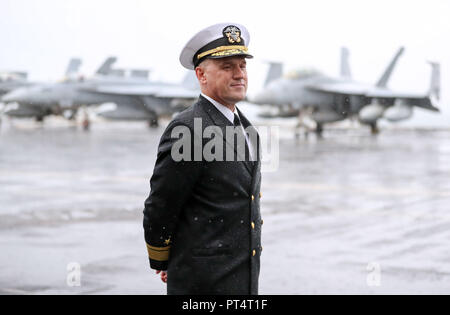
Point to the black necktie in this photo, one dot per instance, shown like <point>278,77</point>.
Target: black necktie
<point>237,123</point>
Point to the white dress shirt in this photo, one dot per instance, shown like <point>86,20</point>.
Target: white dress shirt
<point>229,114</point>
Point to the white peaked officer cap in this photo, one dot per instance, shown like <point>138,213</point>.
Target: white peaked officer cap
<point>217,41</point>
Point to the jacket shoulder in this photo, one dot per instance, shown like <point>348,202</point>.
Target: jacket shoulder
<point>187,116</point>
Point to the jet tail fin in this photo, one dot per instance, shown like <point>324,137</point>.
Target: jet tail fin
<point>106,67</point>
<point>435,82</point>
<point>387,74</point>
<point>345,65</point>
<point>73,67</point>
<point>275,72</point>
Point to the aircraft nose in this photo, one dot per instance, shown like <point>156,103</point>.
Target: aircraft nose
<point>12,97</point>
<point>6,98</point>
<point>261,98</point>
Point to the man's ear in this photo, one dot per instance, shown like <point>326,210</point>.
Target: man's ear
<point>200,72</point>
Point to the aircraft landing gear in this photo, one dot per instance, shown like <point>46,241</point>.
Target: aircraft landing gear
<point>72,116</point>
<point>153,123</point>
<point>301,129</point>
<point>86,121</point>
<point>86,124</point>
<point>374,129</point>
<point>302,123</point>
<point>319,130</point>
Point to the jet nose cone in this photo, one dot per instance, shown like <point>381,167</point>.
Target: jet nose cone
<point>261,98</point>
<point>12,97</point>
<point>8,98</point>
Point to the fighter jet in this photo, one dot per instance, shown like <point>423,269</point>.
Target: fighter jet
<point>150,99</point>
<point>134,97</point>
<point>326,100</point>
<point>12,80</point>
<point>40,100</point>
<point>23,101</point>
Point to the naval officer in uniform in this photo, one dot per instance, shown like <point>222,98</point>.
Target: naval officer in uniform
<point>202,219</point>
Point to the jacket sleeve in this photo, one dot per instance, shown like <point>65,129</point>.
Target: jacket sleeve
<point>171,186</point>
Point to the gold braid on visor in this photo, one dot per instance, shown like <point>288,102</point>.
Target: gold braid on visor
<point>222,49</point>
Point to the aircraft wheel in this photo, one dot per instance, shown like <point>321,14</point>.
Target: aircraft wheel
<point>319,130</point>
<point>374,129</point>
<point>153,123</point>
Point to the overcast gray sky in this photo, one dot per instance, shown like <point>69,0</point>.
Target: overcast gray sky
<point>40,37</point>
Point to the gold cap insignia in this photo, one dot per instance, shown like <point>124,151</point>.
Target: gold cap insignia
<point>233,34</point>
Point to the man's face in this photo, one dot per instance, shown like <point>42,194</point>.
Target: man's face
<point>225,79</point>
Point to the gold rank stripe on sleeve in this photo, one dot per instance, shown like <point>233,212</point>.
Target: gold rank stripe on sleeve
<point>158,253</point>
<point>221,49</point>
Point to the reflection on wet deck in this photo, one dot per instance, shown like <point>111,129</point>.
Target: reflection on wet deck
<point>334,207</point>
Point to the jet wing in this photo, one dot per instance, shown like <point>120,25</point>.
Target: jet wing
<point>348,89</point>
<point>148,90</point>
<point>419,100</point>
<point>131,90</point>
<point>177,92</point>
<point>339,88</point>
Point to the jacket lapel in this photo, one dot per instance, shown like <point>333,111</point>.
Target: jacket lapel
<point>256,148</point>
<point>248,126</point>
<point>222,122</point>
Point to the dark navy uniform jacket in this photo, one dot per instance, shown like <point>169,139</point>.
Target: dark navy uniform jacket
<point>202,220</point>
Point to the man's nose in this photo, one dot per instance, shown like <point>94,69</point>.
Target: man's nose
<point>238,73</point>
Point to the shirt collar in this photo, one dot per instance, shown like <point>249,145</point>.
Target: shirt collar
<point>223,109</point>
